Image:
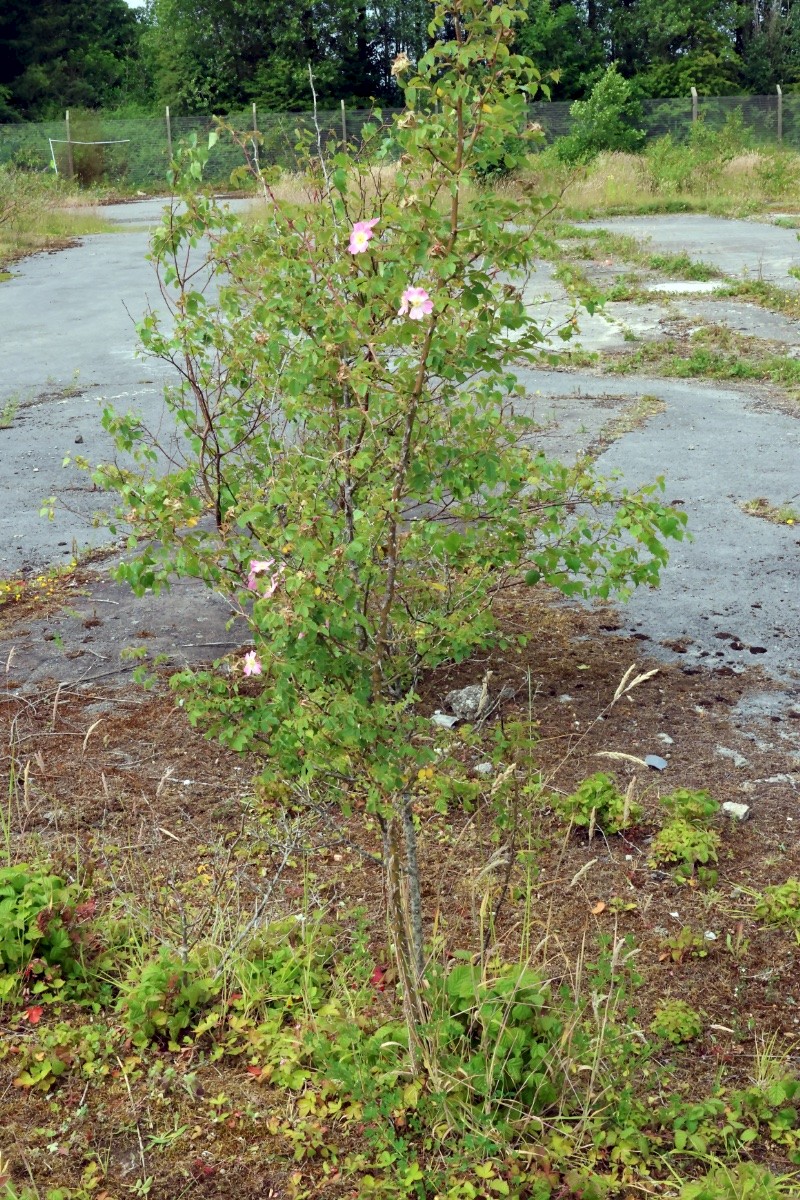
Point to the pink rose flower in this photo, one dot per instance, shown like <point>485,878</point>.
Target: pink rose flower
<point>257,567</point>
<point>361,235</point>
<point>416,302</point>
<point>260,567</point>
<point>252,663</point>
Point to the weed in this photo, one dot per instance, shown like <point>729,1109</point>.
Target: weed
<point>688,943</point>
<point>714,352</point>
<point>748,1181</point>
<point>165,997</point>
<point>598,802</point>
<point>36,910</point>
<point>498,1037</point>
<point>680,266</point>
<point>780,905</point>
<point>676,1022</point>
<point>776,514</point>
<point>8,412</point>
<point>682,842</point>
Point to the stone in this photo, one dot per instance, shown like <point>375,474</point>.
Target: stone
<point>666,739</point>
<point>443,720</point>
<point>737,812</point>
<point>465,702</point>
<point>484,768</point>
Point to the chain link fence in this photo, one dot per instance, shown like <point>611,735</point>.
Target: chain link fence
<point>766,120</point>
<point>135,152</point>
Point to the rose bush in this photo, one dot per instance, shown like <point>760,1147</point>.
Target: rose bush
<point>353,466</point>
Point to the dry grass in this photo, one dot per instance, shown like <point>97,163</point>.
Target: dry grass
<point>669,178</point>
<point>40,213</point>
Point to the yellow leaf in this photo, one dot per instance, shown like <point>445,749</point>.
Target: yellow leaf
<point>598,908</point>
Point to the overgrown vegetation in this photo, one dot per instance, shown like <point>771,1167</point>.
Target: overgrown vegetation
<point>354,479</point>
<point>35,215</point>
<point>710,352</point>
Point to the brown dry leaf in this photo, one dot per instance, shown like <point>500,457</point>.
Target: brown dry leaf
<point>598,908</point>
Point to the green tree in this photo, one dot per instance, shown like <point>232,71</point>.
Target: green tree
<point>685,44</point>
<point>220,55</point>
<point>557,37</point>
<point>768,43</point>
<point>59,54</point>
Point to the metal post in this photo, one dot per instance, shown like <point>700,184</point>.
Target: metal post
<point>694,105</point>
<point>70,160</point>
<point>255,118</point>
<point>344,126</point>
<point>780,113</point>
<point>169,134</point>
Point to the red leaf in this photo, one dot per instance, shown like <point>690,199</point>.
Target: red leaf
<point>34,1013</point>
<point>376,979</point>
<point>255,1072</point>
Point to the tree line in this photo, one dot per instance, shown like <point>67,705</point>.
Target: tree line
<point>217,55</point>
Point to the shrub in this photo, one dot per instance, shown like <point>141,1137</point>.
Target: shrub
<point>607,120</point>
<point>350,428</point>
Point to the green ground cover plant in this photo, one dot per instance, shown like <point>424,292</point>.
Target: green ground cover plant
<point>780,904</point>
<point>677,1022</point>
<point>598,803</point>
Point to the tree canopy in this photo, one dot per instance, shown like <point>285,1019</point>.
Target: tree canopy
<point>58,54</point>
<point>218,55</point>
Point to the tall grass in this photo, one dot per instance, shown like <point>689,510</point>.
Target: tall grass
<point>39,212</point>
<point>670,177</point>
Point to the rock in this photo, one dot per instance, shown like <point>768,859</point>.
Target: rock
<point>79,439</point>
<point>666,739</point>
<point>710,936</point>
<point>737,812</point>
<point>656,762</point>
<point>738,759</point>
<point>465,702</point>
<point>445,721</point>
<point>484,768</point>
<point>565,699</point>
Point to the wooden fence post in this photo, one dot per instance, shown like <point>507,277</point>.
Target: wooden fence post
<point>780,113</point>
<point>169,134</point>
<point>255,118</point>
<point>344,126</point>
<point>70,160</point>
<point>694,105</point>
